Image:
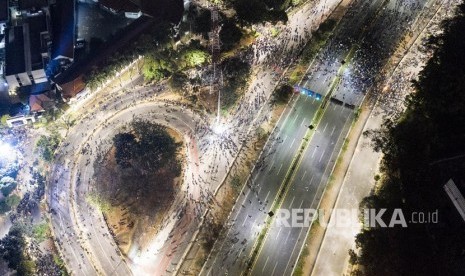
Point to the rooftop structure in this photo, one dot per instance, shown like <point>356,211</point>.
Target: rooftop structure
<point>39,103</point>
<point>26,51</point>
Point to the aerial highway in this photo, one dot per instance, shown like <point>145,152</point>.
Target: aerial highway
<point>79,228</point>
<point>341,73</point>
<point>315,169</point>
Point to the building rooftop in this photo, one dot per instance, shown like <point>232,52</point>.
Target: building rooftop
<point>39,102</point>
<point>37,29</point>
<point>25,44</point>
<point>14,49</point>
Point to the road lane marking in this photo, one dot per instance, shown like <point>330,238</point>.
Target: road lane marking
<point>245,220</point>
<point>271,166</point>
<point>285,137</point>
<point>292,143</point>
<point>292,253</point>
<point>322,155</point>
<point>313,154</point>
<point>301,204</point>
<point>287,237</point>
<point>279,232</point>
<point>291,202</point>
<point>303,176</point>
<point>274,268</point>
<point>324,129</point>
<point>311,180</point>
<point>303,120</point>
<point>245,198</point>
<point>267,196</point>
<point>267,258</point>
<point>295,119</point>
<point>342,109</point>
<point>255,178</point>
<point>280,167</point>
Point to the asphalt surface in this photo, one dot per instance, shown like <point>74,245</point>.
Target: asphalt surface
<point>250,212</point>
<point>281,247</point>
<point>277,257</point>
<point>231,255</point>
<point>84,238</point>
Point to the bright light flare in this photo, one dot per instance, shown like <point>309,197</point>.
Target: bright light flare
<point>219,129</point>
<point>7,152</point>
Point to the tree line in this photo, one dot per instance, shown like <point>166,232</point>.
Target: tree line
<point>432,128</point>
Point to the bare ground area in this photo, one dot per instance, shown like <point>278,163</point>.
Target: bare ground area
<point>135,203</point>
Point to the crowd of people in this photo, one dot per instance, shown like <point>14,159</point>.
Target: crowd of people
<point>213,152</point>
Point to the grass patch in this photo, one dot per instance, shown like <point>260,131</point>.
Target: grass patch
<point>41,232</point>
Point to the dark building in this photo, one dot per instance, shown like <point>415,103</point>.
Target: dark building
<point>4,14</point>
<point>31,5</point>
<point>26,51</point>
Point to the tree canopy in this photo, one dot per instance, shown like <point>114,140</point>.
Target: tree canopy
<point>431,129</point>
<point>46,145</point>
<point>257,11</point>
<point>147,146</point>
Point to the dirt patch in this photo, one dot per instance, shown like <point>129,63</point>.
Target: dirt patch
<point>134,203</point>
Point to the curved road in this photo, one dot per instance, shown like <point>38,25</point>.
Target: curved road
<point>80,231</point>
